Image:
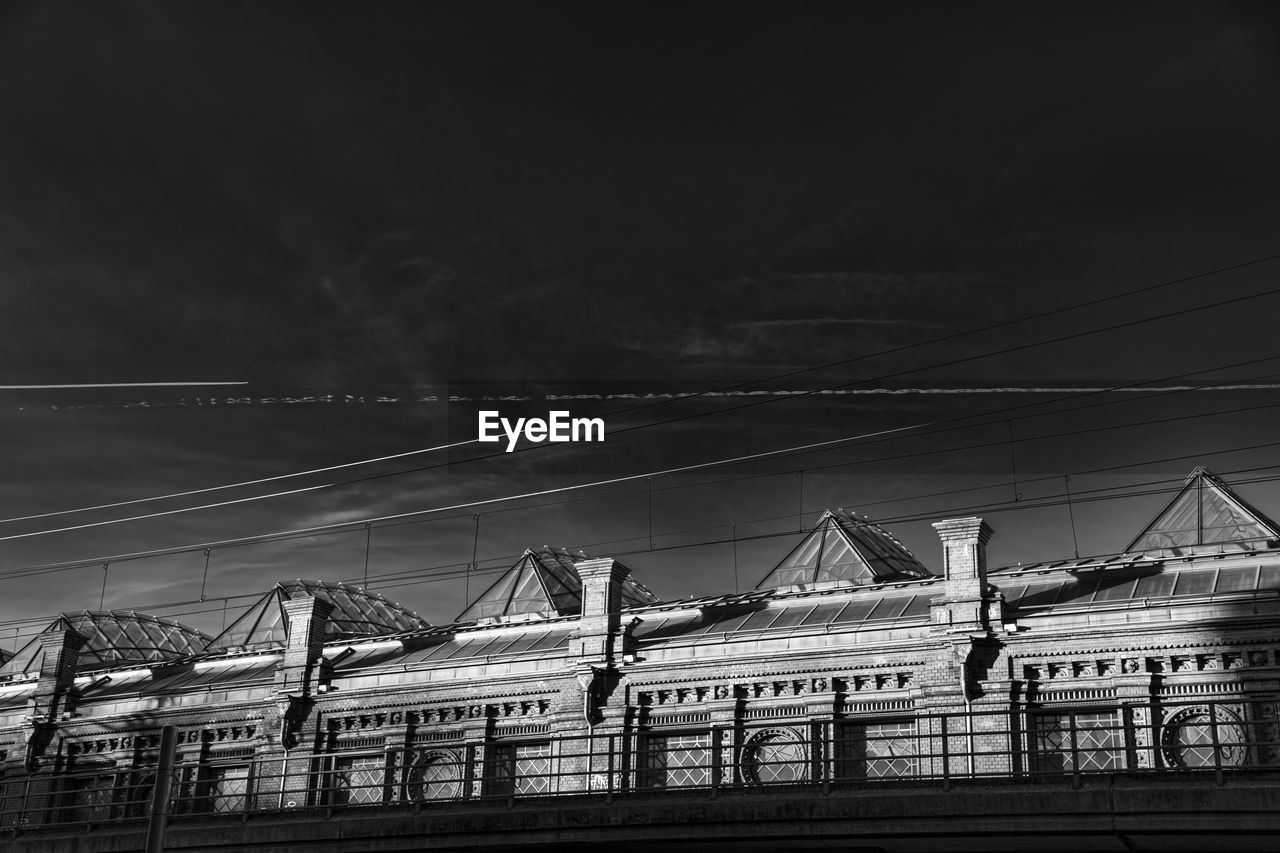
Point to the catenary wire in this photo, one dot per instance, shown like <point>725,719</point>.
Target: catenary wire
<point>751,404</point>
<point>736,386</point>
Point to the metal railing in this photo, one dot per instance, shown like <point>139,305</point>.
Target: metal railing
<point>708,759</point>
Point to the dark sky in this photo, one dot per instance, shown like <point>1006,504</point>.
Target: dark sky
<point>373,203</point>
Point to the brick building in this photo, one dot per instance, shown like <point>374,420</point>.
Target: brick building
<point>851,663</point>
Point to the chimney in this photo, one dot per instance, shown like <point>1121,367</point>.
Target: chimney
<point>964,604</point>
<point>61,653</point>
<point>307,618</point>
<point>601,608</point>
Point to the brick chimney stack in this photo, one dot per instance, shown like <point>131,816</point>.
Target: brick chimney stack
<point>61,653</point>
<point>598,623</point>
<point>308,619</point>
<point>964,604</point>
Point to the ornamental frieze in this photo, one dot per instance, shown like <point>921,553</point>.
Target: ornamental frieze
<point>213,735</point>
<point>776,688</point>
<point>113,744</point>
<point>1065,669</point>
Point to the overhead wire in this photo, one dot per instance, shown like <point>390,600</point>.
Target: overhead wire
<point>736,460</point>
<point>997,507</point>
<point>802,448</point>
<point>348,526</point>
<point>1003,324</point>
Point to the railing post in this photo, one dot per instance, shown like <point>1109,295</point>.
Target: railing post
<point>1217,751</point>
<point>20,818</point>
<point>717,762</point>
<point>1075,750</point>
<point>608,785</point>
<point>946,754</point>
<point>160,794</point>
<point>824,739</point>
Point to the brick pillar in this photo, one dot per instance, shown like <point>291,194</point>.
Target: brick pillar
<point>585,724</point>
<point>295,681</point>
<point>965,604</point>
<point>977,739</point>
<point>61,653</point>
<point>30,767</point>
<point>308,621</point>
<point>601,610</point>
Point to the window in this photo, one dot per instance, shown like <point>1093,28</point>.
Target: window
<point>877,750</point>
<point>91,798</point>
<point>775,756</point>
<point>1206,736</point>
<point>11,800</point>
<point>135,794</point>
<point>1090,741</point>
<point>357,780</point>
<point>677,760</point>
<point>435,775</point>
<point>229,788</point>
<point>519,770</point>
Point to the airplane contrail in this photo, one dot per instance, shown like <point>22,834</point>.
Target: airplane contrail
<point>115,385</point>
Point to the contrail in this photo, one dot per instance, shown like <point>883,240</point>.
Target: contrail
<point>115,385</point>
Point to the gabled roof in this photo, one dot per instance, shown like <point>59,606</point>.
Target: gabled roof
<point>356,613</point>
<point>544,581</point>
<point>844,546</point>
<point>114,637</point>
<point>1205,512</point>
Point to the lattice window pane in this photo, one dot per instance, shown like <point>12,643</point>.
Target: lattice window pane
<point>359,779</point>
<point>228,789</point>
<point>1097,746</point>
<point>519,770</point>
<point>135,796</point>
<point>436,776</point>
<point>10,803</point>
<point>877,750</point>
<point>775,757</point>
<point>533,769</point>
<point>92,798</point>
<point>679,761</point>
<point>1188,739</point>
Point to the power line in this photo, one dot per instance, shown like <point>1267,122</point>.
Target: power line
<point>726,388</point>
<point>952,362</point>
<point>1098,495</point>
<point>800,449</point>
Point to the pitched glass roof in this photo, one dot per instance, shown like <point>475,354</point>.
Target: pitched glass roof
<point>114,637</point>
<point>544,581</point>
<point>356,613</point>
<point>844,546</point>
<point>1205,512</point>
<point>739,616</point>
<point>1140,580</point>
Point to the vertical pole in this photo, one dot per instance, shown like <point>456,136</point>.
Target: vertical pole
<point>1075,749</point>
<point>946,753</point>
<point>648,485</point>
<point>160,794</point>
<point>204,580</point>
<point>735,557</point>
<point>368,543</point>
<point>800,507</point>
<point>1217,751</point>
<point>1071,513</point>
<point>717,740</point>
<point>103,597</point>
<point>1013,462</point>
<point>1200,510</point>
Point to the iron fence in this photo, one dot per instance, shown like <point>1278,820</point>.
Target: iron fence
<point>707,759</point>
